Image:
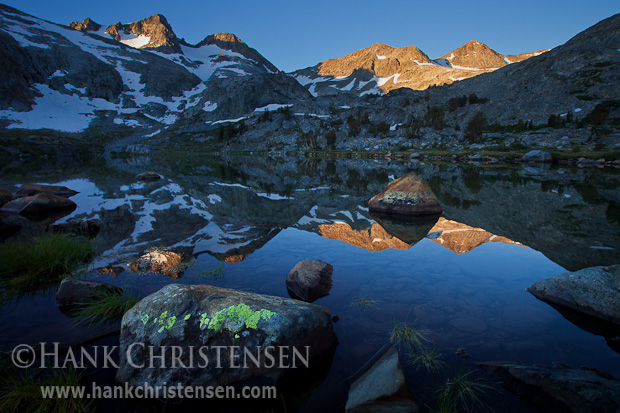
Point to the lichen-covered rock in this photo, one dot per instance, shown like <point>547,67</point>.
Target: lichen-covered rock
<point>224,328</point>
<point>380,386</point>
<point>407,195</point>
<point>33,189</point>
<point>73,292</point>
<point>310,279</point>
<point>594,291</point>
<point>559,388</point>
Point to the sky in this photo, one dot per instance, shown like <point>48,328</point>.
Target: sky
<point>295,35</point>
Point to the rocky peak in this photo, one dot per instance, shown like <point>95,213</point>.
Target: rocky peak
<point>475,55</point>
<point>88,25</point>
<point>380,59</point>
<point>156,28</point>
<point>229,41</point>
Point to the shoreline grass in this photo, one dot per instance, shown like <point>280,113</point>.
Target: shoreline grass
<point>107,306</point>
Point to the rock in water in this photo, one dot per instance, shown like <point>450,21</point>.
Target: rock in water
<point>594,291</point>
<point>310,279</point>
<point>73,292</point>
<point>380,386</point>
<point>408,195</point>
<point>148,176</point>
<point>225,337</point>
<point>559,388</point>
<point>538,156</point>
<point>33,189</point>
<point>40,203</point>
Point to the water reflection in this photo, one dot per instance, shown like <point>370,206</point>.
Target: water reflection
<point>502,230</point>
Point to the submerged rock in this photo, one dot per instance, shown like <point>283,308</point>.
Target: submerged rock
<point>33,189</point>
<point>243,337</point>
<point>594,291</point>
<point>537,156</point>
<point>310,280</point>
<point>73,292</point>
<point>408,229</point>
<point>380,385</point>
<point>560,388</point>
<point>408,195</point>
<point>89,228</point>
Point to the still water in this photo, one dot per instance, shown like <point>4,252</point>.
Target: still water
<point>246,221</point>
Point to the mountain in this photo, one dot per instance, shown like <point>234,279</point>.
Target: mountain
<point>381,68</point>
<point>573,77</point>
<point>125,76</point>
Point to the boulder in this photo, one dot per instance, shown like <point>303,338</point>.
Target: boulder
<point>537,156</point>
<point>73,292</point>
<point>559,388</point>
<point>40,203</point>
<point>310,280</point>
<point>33,189</point>
<point>5,196</point>
<point>408,195</point>
<point>380,385</point>
<point>594,291</point>
<point>267,336</point>
<point>148,177</point>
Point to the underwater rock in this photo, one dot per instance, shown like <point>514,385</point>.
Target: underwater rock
<point>408,195</point>
<point>267,336</point>
<point>559,388</point>
<point>33,189</point>
<point>73,292</point>
<point>310,280</point>
<point>594,291</point>
<point>42,207</point>
<point>89,228</point>
<point>380,385</point>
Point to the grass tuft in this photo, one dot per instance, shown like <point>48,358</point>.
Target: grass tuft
<point>426,358</point>
<point>108,306</point>
<point>363,302</point>
<point>407,335</point>
<point>462,392</point>
<point>21,392</point>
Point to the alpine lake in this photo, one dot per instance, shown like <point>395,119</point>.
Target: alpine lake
<point>243,222</point>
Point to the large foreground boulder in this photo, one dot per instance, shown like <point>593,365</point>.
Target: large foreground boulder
<point>221,336</point>
<point>594,291</point>
<point>380,386</point>
<point>74,292</point>
<point>408,195</point>
<point>310,280</point>
<point>560,388</point>
<point>33,189</point>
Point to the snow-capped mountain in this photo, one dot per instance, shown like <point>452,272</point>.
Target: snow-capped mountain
<point>130,75</point>
<point>381,68</point>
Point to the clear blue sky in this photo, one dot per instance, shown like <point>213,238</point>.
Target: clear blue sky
<point>294,35</point>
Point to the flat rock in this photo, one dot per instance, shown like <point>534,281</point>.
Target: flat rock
<point>205,317</point>
<point>33,189</point>
<point>380,386</point>
<point>560,388</point>
<point>310,280</point>
<point>407,195</point>
<point>73,292</point>
<point>594,291</point>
